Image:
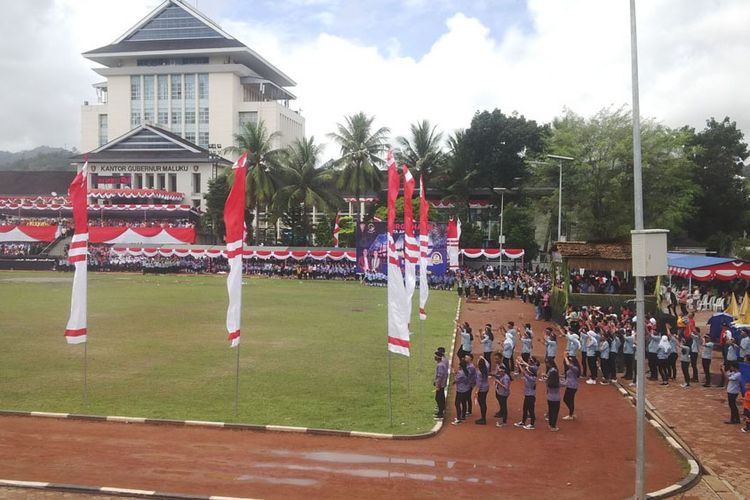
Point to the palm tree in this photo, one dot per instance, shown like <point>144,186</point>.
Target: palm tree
<point>456,172</point>
<point>302,183</point>
<point>423,150</point>
<point>262,161</point>
<point>360,150</point>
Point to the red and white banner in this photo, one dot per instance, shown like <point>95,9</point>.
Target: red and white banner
<point>75,331</point>
<point>411,247</point>
<point>336,230</point>
<point>398,328</point>
<point>453,236</point>
<point>158,194</point>
<point>210,253</point>
<point>117,207</point>
<point>492,253</point>
<point>234,220</point>
<point>142,235</point>
<point>23,234</point>
<point>424,242</point>
<point>724,272</point>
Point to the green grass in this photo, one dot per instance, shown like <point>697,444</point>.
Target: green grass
<point>313,353</point>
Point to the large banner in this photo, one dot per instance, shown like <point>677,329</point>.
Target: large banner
<point>372,240</point>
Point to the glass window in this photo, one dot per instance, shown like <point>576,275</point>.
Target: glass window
<point>102,130</point>
<point>190,136</point>
<point>149,181</point>
<point>138,181</point>
<point>173,23</point>
<point>135,119</point>
<point>248,117</point>
<point>163,118</point>
<point>203,86</point>
<point>176,118</point>
<point>173,182</point>
<point>148,116</point>
<point>203,115</point>
<point>163,88</point>
<point>135,88</point>
<point>189,86</point>
<point>189,116</point>
<point>176,87</point>
<point>196,182</point>
<point>161,182</point>
<point>148,87</point>
<point>203,139</point>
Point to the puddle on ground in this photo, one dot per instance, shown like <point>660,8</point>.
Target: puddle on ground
<point>292,481</point>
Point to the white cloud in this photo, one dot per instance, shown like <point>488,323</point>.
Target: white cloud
<point>577,54</point>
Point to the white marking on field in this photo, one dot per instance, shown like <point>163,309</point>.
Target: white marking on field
<point>694,469</point>
<point>127,420</point>
<point>126,491</point>
<point>371,435</point>
<point>664,491</point>
<point>47,414</point>
<point>674,443</point>
<point>204,423</point>
<point>285,428</point>
<point>23,484</point>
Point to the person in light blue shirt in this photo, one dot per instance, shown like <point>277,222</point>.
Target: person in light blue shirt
<point>526,347</point>
<point>662,354</point>
<point>615,355</point>
<point>706,355</point>
<point>673,353</point>
<point>604,350</point>
<point>745,346</point>
<point>653,347</point>
<point>592,350</point>
<point>466,339</point>
<point>733,390</point>
<point>685,360</point>
<point>732,351</point>
<point>628,352</point>
<point>695,349</point>
<point>487,339</point>
<point>550,348</point>
<point>573,344</point>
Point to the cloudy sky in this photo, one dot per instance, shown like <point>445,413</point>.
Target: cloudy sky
<point>406,60</point>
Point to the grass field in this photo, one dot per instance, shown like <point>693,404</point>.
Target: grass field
<point>313,353</point>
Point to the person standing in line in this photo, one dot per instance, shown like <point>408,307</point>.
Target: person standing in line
<point>695,347</point>
<point>571,385</point>
<point>584,334</point>
<point>464,330</point>
<point>472,381</point>
<point>706,355</point>
<point>483,386</point>
<point>685,360</point>
<point>526,346</point>
<point>615,352</point>
<point>487,339</point>
<point>591,352</point>
<point>550,348</point>
<point>514,337</point>
<point>653,347</point>
<point>529,373</point>
<point>733,390</point>
<point>502,391</point>
<point>441,380</point>
<point>662,355</point>
<point>628,352</point>
<point>744,346</point>
<point>508,352</point>
<point>673,354</point>
<point>604,353</point>
<point>553,396</point>
<point>463,389</point>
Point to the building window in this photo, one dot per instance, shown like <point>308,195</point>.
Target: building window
<point>203,86</point>
<point>138,181</point>
<point>196,203</point>
<point>161,181</point>
<point>163,118</point>
<point>190,136</point>
<point>176,87</point>
<point>149,181</point>
<point>135,88</point>
<point>196,182</point>
<point>102,130</point>
<point>189,116</point>
<point>176,118</point>
<point>189,86</point>
<point>148,116</point>
<point>173,182</point>
<point>135,119</point>
<point>248,117</point>
<point>203,115</point>
<point>203,139</point>
<point>162,88</point>
<point>148,87</point>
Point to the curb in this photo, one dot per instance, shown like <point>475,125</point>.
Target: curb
<point>694,476</point>
<point>108,490</point>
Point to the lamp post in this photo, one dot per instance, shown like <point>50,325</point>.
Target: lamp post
<point>559,192</point>
<point>501,192</point>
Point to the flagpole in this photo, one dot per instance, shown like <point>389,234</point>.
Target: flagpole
<point>237,384</point>
<point>85,374</point>
<point>390,389</point>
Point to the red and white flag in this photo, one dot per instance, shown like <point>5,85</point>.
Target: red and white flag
<point>75,331</point>
<point>336,230</point>
<point>454,234</point>
<point>424,251</point>
<point>398,327</point>
<point>411,247</point>
<point>234,220</point>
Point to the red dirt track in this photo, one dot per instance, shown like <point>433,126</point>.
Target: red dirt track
<point>592,457</point>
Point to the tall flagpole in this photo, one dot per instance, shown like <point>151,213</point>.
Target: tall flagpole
<point>85,374</point>
<point>237,385</point>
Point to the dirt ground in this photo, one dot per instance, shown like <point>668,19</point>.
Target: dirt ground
<point>592,457</point>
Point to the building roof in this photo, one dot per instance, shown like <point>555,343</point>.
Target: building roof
<point>688,261</point>
<point>175,27</point>
<point>31,183</point>
<point>150,144</point>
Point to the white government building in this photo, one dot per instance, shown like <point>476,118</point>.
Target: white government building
<point>177,90</point>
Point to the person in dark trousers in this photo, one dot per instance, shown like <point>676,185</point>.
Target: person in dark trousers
<point>684,346</point>
<point>463,391</point>
<point>628,352</point>
<point>706,355</point>
<point>441,380</point>
<point>662,355</point>
<point>653,364</point>
<point>733,390</point>
<point>695,347</point>
<point>508,352</point>
<point>553,396</point>
<point>571,385</point>
<point>483,386</point>
<point>472,380</point>
<point>502,391</point>
<point>550,348</point>
<point>487,338</point>
<point>673,354</point>
<point>528,372</point>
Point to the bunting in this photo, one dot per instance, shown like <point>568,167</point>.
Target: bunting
<point>75,331</point>
<point>424,259</point>
<point>398,331</point>
<point>234,220</point>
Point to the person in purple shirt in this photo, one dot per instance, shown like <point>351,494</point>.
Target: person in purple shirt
<point>441,380</point>
<point>529,394</point>
<point>502,391</point>
<point>472,380</point>
<point>483,386</point>
<point>571,385</point>
<point>553,395</point>
<point>463,390</point>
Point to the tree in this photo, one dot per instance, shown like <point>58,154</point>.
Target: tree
<point>723,201</point>
<point>360,149</point>
<point>382,211</point>
<point>216,198</point>
<point>422,151</point>
<point>262,162</point>
<point>519,230</point>
<point>457,174</point>
<point>303,183</point>
<point>295,234</point>
<point>324,232</point>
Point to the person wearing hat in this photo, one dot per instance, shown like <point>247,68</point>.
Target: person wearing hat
<point>441,380</point>
<point>502,390</point>
<point>529,394</point>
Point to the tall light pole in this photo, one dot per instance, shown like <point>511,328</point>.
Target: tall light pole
<point>501,191</point>
<point>559,193</point>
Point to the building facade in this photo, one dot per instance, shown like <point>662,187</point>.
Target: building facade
<point>178,70</point>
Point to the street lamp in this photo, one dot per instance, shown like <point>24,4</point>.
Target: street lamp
<point>559,193</point>
<point>501,191</point>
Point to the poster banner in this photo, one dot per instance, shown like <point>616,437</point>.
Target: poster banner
<point>372,240</point>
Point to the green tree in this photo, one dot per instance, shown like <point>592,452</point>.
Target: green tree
<point>216,198</point>
<point>360,150</point>
<point>723,200</point>
<point>422,151</point>
<point>262,162</point>
<point>303,183</point>
<point>324,232</point>
<point>296,228</point>
<point>519,230</point>
<point>458,175</point>
<point>382,211</point>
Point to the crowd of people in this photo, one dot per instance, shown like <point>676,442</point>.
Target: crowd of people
<point>15,220</point>
<point>20,249</point>
<point>150,222</point>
